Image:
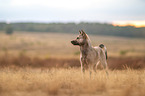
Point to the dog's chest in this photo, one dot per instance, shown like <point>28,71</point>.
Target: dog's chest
<point>88,55</point>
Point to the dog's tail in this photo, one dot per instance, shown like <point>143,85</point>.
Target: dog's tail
<point>104,48</point>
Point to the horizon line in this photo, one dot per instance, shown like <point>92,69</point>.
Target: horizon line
<point>137,24</point>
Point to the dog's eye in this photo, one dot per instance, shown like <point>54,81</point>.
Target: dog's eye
<point>77,37</point>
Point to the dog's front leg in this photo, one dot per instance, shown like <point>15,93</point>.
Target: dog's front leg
<point>82,67</point>
<point>91,67</point>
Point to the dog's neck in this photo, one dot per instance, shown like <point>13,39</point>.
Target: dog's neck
<point>85,48</point>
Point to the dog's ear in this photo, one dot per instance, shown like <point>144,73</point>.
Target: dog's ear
<point>80,32</point>
<point>84,34</point>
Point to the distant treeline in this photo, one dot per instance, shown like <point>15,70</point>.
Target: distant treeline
<point>90,28</point>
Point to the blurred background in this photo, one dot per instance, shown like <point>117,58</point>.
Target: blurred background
<point>44,28</point>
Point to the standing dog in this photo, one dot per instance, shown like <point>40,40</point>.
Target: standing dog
<point>90,56</point>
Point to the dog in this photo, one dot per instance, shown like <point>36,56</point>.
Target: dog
<point>90,56</point>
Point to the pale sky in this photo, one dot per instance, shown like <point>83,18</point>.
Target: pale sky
<point>105,11</point>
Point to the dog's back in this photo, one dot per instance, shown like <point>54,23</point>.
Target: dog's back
<point>99,51</point>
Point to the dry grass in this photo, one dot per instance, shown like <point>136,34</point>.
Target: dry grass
<point>24,73</point>
<point>69,82</point>
<point>48,63</point>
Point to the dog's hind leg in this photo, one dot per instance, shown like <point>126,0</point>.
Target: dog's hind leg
<point>104,63</point>
<point>105,67</point>
<point>95,66</point>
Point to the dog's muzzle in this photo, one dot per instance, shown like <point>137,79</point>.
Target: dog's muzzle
<point>74,42</point>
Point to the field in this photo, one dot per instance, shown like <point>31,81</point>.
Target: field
<point>46,45</point>
<point>46,64</point>
<point>69,82</point>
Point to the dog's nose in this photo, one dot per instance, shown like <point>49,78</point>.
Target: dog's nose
<point>72,41</point>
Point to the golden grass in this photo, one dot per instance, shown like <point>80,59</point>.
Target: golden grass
<point>69,82</point>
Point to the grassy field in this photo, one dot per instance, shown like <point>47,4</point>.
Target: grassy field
<point>47,45</point>
<point>47,64</point>
<point>69,82</point>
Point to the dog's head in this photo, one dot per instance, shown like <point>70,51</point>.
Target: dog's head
<point>81,39</point>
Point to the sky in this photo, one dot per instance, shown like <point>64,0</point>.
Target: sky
<point>103,11</point>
